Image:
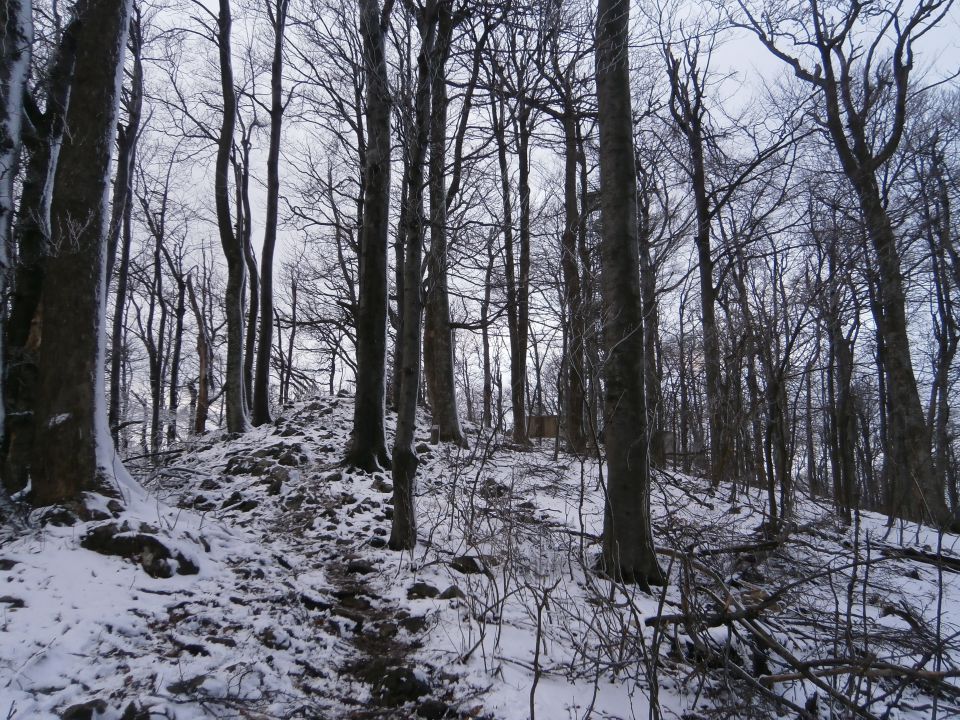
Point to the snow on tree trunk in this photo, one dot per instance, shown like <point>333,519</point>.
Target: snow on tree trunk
<point>16,42</point>
<point>73,450</point>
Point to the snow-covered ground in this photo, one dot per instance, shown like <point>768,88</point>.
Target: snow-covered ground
<point>275,596</point>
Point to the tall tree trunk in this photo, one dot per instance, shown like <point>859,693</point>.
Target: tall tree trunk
<point>915,493</point>
<point>368,444</point>
<point>518,365</point>
<point>236,406</point>
<point>16,43</point>
<point>573,400</point>
<point>518,340</point>
<point>127,138</point>
<point>174,399</point>
<point>244,234</point>
<point>403,534</point>
<point>261,383</point>
<point>32,235</point>
<point>205,356</point>
<point>628,553</point>
<point>438,336</point>
<point>71,412</point>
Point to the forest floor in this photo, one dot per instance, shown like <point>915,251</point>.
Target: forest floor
<point>248,577</point>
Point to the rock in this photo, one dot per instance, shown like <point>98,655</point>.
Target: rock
<point>398,686</point>
<point>278,476</point>
<point>414,624</point>
<point>7,564</point>
<point>432,709</point>
<point>423,448</point>
<point>135,711</point>
<point>15,603</point>
<point>203,504</point>
<point>262,467</point>
<point>381,485</point>
<point>235,497</point>
<point>377,542</point>
<point>209,484</point>
<point>311,603</point>
<point>186,687</point>
<point>156,558</point>
<point>246,506</point>
<point>289,458</point>
<point>293,502</point>
<point>56,515</point>
<point>387,630</point>
<point>451,593</point>
<point>468,564</point>
<point>84,711</point>
<point>360,567</point>
<point>240,465</point>
<point>421,590</point>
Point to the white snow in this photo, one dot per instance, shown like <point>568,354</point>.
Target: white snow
<point>267,626</point>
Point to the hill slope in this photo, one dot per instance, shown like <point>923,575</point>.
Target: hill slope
<point>250,579</point>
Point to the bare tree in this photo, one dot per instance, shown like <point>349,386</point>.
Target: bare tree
<point>628,553</point>
<point>277,14</point>
<point>864,57</point>
<point>16,42</point>
<point>234,390</point>
<point>368,440</point>
<point>71,412</point>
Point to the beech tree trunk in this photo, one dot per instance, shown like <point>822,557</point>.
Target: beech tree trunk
<point>16,43</point>
<point>403,534</point>
<point>438,336</point>
<point>368,443</point>
<point>628,553</point>
<point>261,383</point>
<point>32,236</point>
<point>127,137</point>
<point>573,296</point>
<point>71,412</point>
<point>234,395</point>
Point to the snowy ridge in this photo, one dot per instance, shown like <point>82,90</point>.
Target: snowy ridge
<point>293,607</point>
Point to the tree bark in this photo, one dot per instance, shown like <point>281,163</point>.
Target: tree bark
<point>16,43</point>
<point>573,297</point>
<point>32,236</point>
<point>438,336</point>
<point>368,444</point>
<point>261,383</point>
<point>628,553</point>
<point>403,534</point>
<point>71,412</point>
<point>234,396</point>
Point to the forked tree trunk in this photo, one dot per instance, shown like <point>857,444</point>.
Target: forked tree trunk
<point>628,553</point>
<point>71,412</point>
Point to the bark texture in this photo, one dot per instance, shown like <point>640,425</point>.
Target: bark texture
<point>73,449</point>
<point>368,444</point>
<point>628,553</point>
